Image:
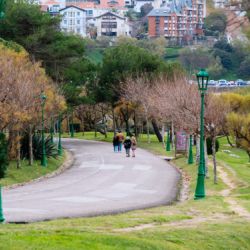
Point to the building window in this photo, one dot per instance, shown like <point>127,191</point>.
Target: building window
<point>78,31</point>
<point>90,12</point>
<point>65,21</point>
<point>78,21</point>
<point>109,34</point>
<point>78,13</point>
<point>109,25</point>
<point>72,14</point>
<point>71,22</point>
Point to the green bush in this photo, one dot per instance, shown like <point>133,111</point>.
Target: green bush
<point>209,146</point>
<point>51,149</point>
<point>3,155</point>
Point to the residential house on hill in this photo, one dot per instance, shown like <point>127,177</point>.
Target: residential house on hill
<point>73,20</point>
<point>110,24</point>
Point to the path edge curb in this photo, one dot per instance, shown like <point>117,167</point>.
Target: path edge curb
<point>67,164</point>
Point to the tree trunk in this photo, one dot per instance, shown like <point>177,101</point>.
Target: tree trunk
<point>135,124</point>
<point>163,133</point>
<point>30,146</point>
<point>113,116</point>
<point>214,158</point>
<point>229,142</point>
<point>156,130</point>
<point>83,127</point>
<point>68,123</point>
<point>95,126</point>
<point>206,159</point>
<point>18,148</point>
<point>104,123</point>
<point>172,134</point>
<point>148,135</point>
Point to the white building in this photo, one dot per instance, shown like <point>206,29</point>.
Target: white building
<point>73,20</point>
<point>110,24</point>
<point>52,6</point>
<point>220,3</point>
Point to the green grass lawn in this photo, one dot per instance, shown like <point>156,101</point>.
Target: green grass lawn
<point>207,224</point>
<point>172,54</point>
<point>237,163</point>
<point>27,173</point>
<point>95,55</point>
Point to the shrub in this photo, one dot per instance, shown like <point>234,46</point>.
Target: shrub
<point>3,155</point>
<point>51,149</point>
<point>209,146</point>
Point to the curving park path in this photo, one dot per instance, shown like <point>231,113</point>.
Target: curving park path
<point>99,182</point>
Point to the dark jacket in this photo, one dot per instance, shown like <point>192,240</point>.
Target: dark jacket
<point>127,143</point>
<point>115,141</point>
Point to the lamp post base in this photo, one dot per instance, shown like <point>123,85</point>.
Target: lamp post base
<point>44,162</point>
<point>59,151</point>
<point>190,158</point>
<point>1,210</point>
<point>200,187</point>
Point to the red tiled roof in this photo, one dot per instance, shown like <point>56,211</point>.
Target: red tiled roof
<point>44,8</point>
<point>83,5</point>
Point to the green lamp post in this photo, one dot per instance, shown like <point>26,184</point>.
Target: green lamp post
<point>202,78</point>
<point>1,209</point>
<point>190,151</point>
<point>44,158</point>
<point>59,149</point>
<point>168,142</point>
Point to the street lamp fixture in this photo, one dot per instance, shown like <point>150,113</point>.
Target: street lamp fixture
<point>44,158</point>
<point>202,79</point>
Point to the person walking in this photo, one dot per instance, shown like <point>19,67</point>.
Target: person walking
<point>116,142</point>
<point>127,145</point>
<point>133,145</point>
<point>121,138</point>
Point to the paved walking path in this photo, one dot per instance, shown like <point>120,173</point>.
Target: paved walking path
<point>100,182</point>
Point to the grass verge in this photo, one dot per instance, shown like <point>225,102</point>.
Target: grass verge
<point>27,173</point>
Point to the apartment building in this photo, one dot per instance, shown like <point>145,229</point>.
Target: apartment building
<point>73,20</point>
<point>179,20</point>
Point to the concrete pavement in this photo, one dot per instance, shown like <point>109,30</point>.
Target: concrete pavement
<point>100,182</point>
